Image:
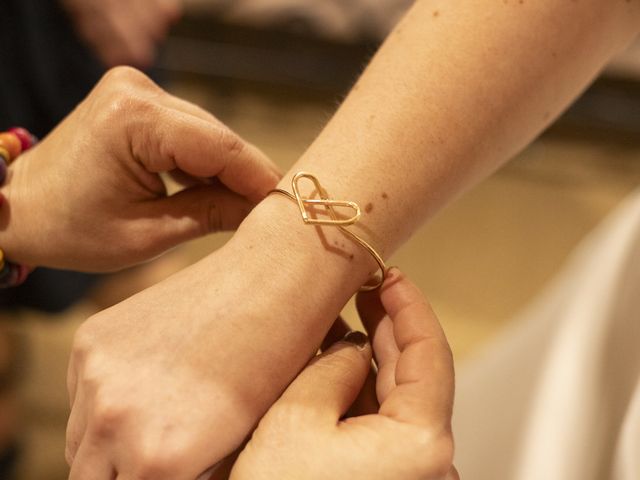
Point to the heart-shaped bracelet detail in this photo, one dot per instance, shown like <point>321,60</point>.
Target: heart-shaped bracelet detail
<point>334,220</point>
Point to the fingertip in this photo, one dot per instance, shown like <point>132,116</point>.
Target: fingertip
<point>271,179</point>
<point>253,174</point>
<point>392,277</point>
<point>338,330</point>
<point>393,271</point>
<point>353,342</point>
<point>272,174</point>
<point>398,292</point>
<point>267,162</point>
<point>367,299</point>
<point>279,172</point>
<point>358,339</point>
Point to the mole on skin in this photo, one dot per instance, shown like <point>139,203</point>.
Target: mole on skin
<point>384,195</point>
<point>368,207</point>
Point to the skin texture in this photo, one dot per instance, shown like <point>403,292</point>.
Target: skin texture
<point>167,383</point>
<point>91,190</point>
<point>123,32</point>
<point>306,435</point>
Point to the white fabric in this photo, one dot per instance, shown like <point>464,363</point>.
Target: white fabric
<point>557,396</point>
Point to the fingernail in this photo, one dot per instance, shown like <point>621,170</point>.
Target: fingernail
<point>358,339</point>
<point>393,272</point>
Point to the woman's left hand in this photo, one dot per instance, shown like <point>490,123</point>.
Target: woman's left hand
<point>89,197</point>
<point>312,432</point>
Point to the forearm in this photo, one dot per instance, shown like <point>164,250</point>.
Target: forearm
<point>458,88</point>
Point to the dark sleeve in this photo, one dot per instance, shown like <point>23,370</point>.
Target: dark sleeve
<point>46,69</point>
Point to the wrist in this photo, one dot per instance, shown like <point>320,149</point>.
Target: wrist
<point>14,252</point>
<point>11,209</point>
<point>323,261</point>
<point>282,285</point>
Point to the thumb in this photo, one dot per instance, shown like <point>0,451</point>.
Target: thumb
<point>331,382</point>
<point>193,212</point>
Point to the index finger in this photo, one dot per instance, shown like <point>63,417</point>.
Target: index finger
<point>424,371</point>
<point>176,139</point>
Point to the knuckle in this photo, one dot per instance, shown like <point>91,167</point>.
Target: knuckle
<point>441,450</point>
<point>285,417</point>
<point>69,454</point>
<point>71,382</point>
<point>142,240</point>
<point>231,144</point>
<point>86,339</point>
<point>154,461</point>
<point>333,366</point>
<point>125,103</point>
<point>123,94</point>
<point>443,461</point>
<point>125,76</point>
<point>454,474</point>
<point>149,468</point>
<point>82,342</point>
<point>107,414</point>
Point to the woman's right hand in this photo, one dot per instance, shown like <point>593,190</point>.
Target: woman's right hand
<point>91,195</point>
<point>304,435</point>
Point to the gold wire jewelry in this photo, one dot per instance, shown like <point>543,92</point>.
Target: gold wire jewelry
<point>334,221</point>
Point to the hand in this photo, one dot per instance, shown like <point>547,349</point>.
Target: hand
<point>169,382</point>
<point>304,435</point>
<point>89,196</point>
<point>123,32</point>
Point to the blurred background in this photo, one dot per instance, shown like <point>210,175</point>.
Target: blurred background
<point>275,71</point>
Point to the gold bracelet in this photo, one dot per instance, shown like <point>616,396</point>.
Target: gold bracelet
<point>334,221</point>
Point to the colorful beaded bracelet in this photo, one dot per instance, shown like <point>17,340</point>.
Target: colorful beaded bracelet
<point>12,143</point>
